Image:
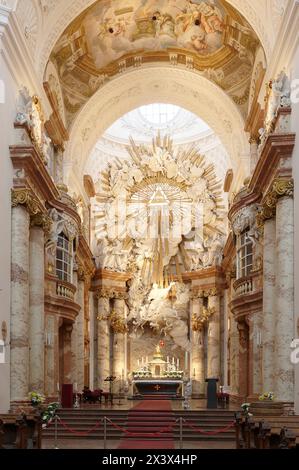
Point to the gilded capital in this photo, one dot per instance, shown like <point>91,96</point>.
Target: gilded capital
<point>280,188</point>
<point>104,293</point>
<point>25,198</point>
<point>41,220</point>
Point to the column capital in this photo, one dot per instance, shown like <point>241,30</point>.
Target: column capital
<point>41,220</point>
<point>280,188</point>
<point>103,292</point>
<point>198,321</point>
<point>24,197</point>
<point>205,293</point>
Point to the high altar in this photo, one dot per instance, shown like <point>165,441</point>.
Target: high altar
<point>158,377</point>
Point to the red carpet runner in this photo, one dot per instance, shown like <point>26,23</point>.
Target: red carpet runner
<point>149,426</point>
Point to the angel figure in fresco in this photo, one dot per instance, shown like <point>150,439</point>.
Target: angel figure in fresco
<point>198,41</point>
<point>211,18</point>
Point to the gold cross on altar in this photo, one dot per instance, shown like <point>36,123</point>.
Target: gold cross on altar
<point>157,387</point>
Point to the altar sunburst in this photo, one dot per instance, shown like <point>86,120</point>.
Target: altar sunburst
<point>166,207</point>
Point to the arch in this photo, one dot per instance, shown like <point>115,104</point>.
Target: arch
<point>169,84</point>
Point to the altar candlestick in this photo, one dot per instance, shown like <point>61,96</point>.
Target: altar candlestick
<point>167,359</point>
<point>57,386</point>
<point>173,360</point>
<point>138,362</point>
<point>178,363</point>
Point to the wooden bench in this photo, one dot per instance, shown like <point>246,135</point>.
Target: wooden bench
<point>278,432</point>
<point>266,432</point>
<point>20,431</point>
<point>33,431</point>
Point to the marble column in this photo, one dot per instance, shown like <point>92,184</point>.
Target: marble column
<point>50,385</point>
<point>103,343</point>
<point>213,344</point>
<point>234,357</point>
<point>80,335</point>
<point>119,342</point>
<point>268,330</point>
<point>19,350</point>
<point>256,355</point>
<point>284,300</point>
<point>197,372</point>
<point>74,338</point>
<point>243,330</point>
<point>36,309</point>
<point>67,353</point>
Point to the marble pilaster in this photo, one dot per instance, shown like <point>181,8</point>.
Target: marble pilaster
<point>268,331</point>
<point>284,301</point>
<point>103,343</point>
<point>36,309</point>
<point>19,353</point>
<point>213,343</point>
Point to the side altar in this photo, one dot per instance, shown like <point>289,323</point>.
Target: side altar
<point>158,377</point>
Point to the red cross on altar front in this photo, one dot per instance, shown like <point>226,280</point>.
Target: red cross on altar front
<point>157,387</point>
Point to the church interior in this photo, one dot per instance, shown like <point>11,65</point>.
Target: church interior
<point>149,244</point>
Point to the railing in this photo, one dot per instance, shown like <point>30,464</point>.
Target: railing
<point>243,286</point>
<point>65,289</point>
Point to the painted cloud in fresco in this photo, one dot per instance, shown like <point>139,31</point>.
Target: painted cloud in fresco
<point>113,30</point>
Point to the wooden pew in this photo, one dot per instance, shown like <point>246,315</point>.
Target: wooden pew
<point>279,432</point>
<point>33,431</point>
<point>14,432</point>
<point>266,432</point>
<point>239,429</point>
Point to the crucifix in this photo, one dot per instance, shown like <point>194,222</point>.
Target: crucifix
<point>157,387</point>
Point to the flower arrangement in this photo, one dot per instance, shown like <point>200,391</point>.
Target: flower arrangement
<point>175,374</point>
<point>268,396</point>
<point>36,398</point>
<point>245,408</point>
<point>49,413</point>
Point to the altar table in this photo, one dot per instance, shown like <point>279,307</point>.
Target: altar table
<point>172,388</point>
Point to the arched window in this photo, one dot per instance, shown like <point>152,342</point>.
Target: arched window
<point>244,254</point>
<point>64,257</point>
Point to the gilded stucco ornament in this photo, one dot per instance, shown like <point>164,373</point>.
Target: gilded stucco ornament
<point>117,321</point>
<point>25,198</point>
<point>42,220</point>
<point>280,188</point>
<point>198,321</point>
<point>205,293</point>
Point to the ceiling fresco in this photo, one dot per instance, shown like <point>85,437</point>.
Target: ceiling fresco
<point>109,38</point>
